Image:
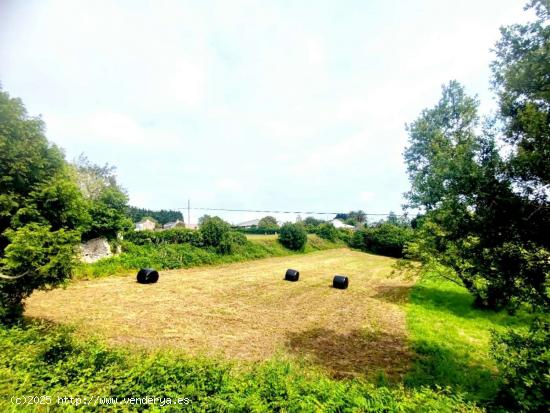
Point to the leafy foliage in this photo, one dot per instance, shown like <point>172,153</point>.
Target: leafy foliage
<point>231,241</point>
<point>48,256</point>
<point>107,200</point>
<point>475,223</point>
<point>268,222</point>
<point>524,358</point>
<point>520,77</point>
<point>327,231</point>
<point>353,217</point>
<point>385,238</point>
<point>167,236</point>
<point>41,209</point>
<point>60,365</point>
<point>213,229</point>
<point>293,236</point>
<point>162,217</point>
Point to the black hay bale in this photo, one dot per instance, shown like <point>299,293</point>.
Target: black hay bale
<point>340,281</point>
<point>292,275</point>
<point>147,276</point>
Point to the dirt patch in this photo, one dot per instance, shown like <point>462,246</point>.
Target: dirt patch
<point>247,311</point>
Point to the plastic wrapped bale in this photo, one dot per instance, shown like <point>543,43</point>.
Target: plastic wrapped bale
<point>147,276</point>
<point>292,275</point>
<point>340,281</point>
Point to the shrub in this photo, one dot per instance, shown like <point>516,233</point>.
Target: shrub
<point>524,360</point>
<point>385,239</point>
<point>345,234</point>
<point>169,236</point>
<point>213,230</point>
<point>327,231</point>
<point>268,222</point>
<point>48,255</point>
<point>230,240</point>
<point>60,365</point>
<point>293,236</point>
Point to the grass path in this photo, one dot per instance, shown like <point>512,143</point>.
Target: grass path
<point>246,311</point>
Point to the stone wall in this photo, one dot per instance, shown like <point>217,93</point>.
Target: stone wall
<point>94,250</point>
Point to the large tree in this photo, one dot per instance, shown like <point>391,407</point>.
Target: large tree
<point>106,199</point>
<point>477,224</point>
<point>42,211</point>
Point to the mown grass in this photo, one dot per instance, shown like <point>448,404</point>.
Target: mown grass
<point>451,339</point>
<point>172,256</point>
<point>246,311</point>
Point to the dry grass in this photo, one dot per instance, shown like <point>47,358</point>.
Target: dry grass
<point>253,237</point>
<point>247,311</point>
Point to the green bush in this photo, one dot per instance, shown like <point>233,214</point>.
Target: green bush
<point>345,234</point>
<point>385,239</point>
<point>524,362</point>
<point>230,241</point>
<point>48,256</point>
<point>168,236</point>
<point>213,230</point>
<point>293,236</point>
<point>327,231</point>
<point>37,360</point>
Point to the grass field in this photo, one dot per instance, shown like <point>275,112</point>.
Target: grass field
<point>246,311</point>
<point>254,237</point>
<point>237,335</point>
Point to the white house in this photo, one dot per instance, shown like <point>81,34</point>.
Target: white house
<point>248,224</point>
<point>145,224</point>
<point>176,223</point>
<point>339,224</point>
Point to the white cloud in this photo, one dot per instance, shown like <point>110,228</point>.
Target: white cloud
<point>366,196</point>
<point>304,107</point>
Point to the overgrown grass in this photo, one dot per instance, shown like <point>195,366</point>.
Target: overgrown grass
<point>47,361</point>
<point>172,256</point>
<point>451,339</point>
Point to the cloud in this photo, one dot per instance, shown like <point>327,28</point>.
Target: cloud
<point>366,196</point>
<point>287,105</point>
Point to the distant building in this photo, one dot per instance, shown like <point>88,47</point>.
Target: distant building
<point>146,224</point>
<point>176,223</point>
<point>248,224</point>
<point>339,224</point>
<point>191,226</point>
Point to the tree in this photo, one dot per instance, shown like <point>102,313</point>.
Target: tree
<point>475,223</point>
<point>268,222</point>
<point>42,210</point>
<point>293,236</point>
<point>311,222</point>
<point>327,231</point>
<point>353,217</point>
<point>162,217</point>
<point>107,200</point>
<point>213,230</point>
<point>521,79</point>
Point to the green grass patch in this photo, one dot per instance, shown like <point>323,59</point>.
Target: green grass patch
<point>46,360</point>
<point>451,339</point>
<point>173,256</point>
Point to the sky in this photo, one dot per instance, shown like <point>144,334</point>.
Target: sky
<point>271,105</point>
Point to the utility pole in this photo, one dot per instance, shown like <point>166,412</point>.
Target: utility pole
<point>189,212</point>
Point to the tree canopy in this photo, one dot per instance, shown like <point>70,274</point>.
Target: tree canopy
<point>487,215</point>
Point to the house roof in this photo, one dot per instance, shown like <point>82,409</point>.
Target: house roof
<point>339,224</point>
<point>248,223</point>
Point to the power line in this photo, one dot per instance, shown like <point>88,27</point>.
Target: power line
<point>276,212</point>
